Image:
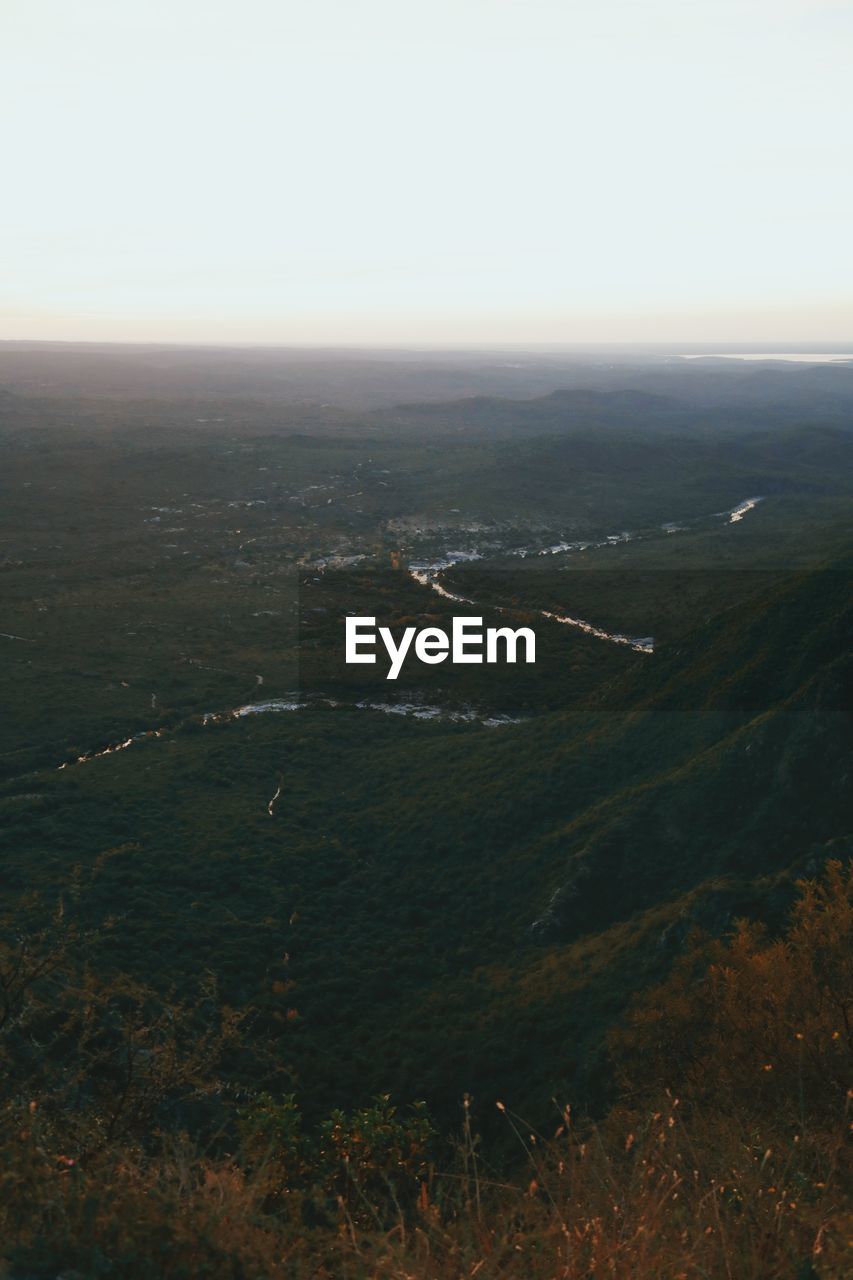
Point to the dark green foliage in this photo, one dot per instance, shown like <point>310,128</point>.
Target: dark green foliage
<point>431,907</point>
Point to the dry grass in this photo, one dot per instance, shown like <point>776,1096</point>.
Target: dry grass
<point>670,1197</point>
<point>744,1176</point>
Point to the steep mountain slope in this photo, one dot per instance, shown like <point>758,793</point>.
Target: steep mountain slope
<point>432,908</point>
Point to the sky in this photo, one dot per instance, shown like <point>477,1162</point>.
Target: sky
<point>434,172</point>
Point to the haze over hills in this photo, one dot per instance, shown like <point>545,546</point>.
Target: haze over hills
<point>368,378</point>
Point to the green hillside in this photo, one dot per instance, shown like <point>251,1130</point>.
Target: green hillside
<point>423,876</point>
<point>247,886</point>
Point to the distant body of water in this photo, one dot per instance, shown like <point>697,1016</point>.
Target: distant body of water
<point>801,357</point>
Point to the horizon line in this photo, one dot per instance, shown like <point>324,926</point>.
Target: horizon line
<point>757,345</point>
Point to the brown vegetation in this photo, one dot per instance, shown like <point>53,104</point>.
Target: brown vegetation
<point>724,1158</point>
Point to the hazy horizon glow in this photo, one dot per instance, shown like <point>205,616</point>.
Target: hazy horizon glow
<point>458,171</point>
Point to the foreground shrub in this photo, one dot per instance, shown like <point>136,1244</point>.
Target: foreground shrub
<point>739,1173</point>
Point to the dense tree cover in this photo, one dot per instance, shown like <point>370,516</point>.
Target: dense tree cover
<point>463,907</point>
<point>238,948</point>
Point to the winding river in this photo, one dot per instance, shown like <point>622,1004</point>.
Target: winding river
<point>428,574</point>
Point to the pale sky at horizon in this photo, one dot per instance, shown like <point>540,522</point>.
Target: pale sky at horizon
<point>427,171</point>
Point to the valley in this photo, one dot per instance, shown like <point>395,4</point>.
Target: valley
<point>470,868</point>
